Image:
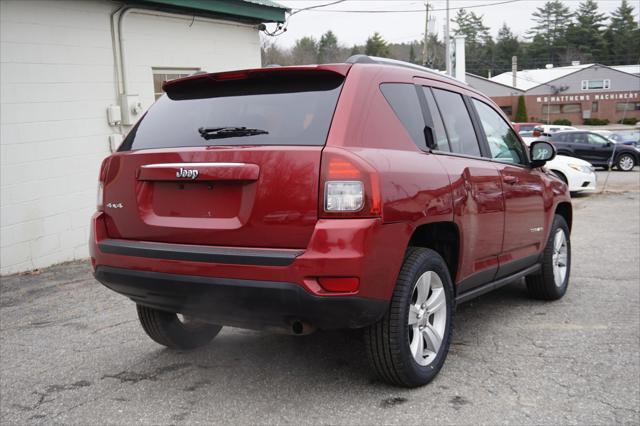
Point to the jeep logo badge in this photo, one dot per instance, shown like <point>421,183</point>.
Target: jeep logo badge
<point>187,173</point>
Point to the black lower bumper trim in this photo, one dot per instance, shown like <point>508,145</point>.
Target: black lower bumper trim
<point>195,253</point>
<point>241,303</point>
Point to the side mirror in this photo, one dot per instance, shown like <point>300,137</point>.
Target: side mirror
<point>541,152</point>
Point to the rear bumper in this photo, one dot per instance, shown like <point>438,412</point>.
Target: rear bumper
<point>241,303</point>
<point>226,284</point>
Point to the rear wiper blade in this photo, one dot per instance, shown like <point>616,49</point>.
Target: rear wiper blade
<point>229,132</point>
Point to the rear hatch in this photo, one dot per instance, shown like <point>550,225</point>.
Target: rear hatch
<point>230,159</point>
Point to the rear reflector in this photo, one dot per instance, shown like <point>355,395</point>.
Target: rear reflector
<point>340,284</point>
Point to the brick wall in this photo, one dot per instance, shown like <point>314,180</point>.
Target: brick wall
<point>57,78</point>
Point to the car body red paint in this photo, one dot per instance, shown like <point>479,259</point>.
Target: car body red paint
<point>270,199</point>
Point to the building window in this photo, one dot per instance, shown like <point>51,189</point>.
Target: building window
<point>508,110</point>
<point>569,108</point>
<point>160,75</point>
<point>594,107</point>
<point>596,84</point>
<point>551,109</point>
<point>628,106</point>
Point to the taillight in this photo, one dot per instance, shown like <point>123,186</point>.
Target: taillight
<point>349,186</point>
<point>343,196</point>
<point>100,197</point>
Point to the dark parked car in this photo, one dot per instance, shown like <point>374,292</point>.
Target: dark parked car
<point>359,195</point>
<point>596,149</point>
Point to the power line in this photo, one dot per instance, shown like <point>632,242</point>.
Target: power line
<point>407,10</point>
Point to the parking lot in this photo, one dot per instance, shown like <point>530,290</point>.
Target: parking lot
<point>73,352</point>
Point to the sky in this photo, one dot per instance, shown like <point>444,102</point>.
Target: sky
<point>354,28</point>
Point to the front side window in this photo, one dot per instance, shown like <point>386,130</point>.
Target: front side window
<point>596,139</point>
<point>457,122</point>
<point>503,142</point>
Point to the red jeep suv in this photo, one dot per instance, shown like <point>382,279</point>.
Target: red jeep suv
<point>372,194</point>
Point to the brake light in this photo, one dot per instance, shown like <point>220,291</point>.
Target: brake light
<point>349,186</point>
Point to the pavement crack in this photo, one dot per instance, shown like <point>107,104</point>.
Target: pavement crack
<point>134,377</point>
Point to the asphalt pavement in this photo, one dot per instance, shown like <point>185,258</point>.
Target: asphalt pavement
<point>72,351</point>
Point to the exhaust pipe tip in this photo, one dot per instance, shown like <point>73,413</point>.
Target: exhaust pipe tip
<point>300,328</point>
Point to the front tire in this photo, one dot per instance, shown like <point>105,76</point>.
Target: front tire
<point>626,162</point>
<point>167,329</point>
<point>408,346</point>
<point>552,281</point>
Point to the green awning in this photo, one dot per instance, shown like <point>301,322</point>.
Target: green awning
<point>244,10</point>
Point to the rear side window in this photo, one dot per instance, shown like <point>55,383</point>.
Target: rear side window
<point>462,136</point>
<point>293,109</point>
<point>403,99</point>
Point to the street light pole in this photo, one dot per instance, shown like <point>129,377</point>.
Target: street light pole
<point>426,34</point>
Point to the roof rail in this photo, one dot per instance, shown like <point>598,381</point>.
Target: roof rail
<point>365,59</point>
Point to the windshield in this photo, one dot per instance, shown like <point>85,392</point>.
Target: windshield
<point>261,111</point>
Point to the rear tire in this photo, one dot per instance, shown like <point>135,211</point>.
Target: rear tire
<point>167,329</point>
<point>625,162</point>
<point>408,346</point>
<point>552,281</point>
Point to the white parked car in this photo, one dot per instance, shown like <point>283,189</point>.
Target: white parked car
<point>578,174</point>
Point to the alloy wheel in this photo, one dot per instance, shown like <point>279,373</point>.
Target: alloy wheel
<point>427,318</point>
<point>626,163</point>
<point>559,257</point>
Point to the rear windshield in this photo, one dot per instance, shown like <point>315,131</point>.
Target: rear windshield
<point>284,109</point>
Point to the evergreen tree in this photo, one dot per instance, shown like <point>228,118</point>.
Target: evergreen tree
<point>521,112</point>
<point>305,51</point>
<point>585,37</point>
<point>552,21</point>
<point>328,50</point>
<point>376,46</point>
<point>507,46</point>
<point>355,50</point>
<point>479,46</point>
<point>412,54</point>
<point>623,36</point>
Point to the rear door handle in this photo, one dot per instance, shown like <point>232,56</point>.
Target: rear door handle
<point>510,180</point>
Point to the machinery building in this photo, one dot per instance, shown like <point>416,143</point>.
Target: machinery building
<point>576,92</point>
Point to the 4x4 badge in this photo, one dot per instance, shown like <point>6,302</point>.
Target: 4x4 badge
<point>187,173</point>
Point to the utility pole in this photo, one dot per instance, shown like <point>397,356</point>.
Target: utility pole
<point>426,34</point>
<point>447,46</point>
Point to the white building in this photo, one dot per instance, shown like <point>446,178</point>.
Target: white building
<point>62,64</point>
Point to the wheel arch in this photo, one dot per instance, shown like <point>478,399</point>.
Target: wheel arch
<point>442,237</point>
<point>565,210</point>
<point>561,175</point>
